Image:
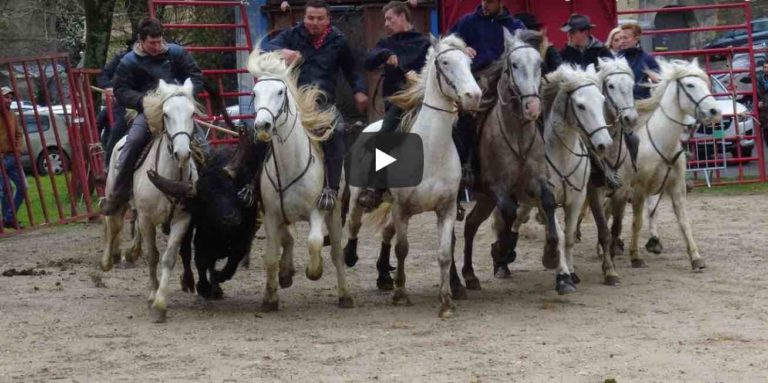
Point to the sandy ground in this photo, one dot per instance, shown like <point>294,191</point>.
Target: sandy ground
<point>664,323</point>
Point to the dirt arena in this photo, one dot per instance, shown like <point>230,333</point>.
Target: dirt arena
<point>663,324</point>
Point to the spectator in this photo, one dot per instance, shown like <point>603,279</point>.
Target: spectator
<point>583,48</point>
<point>643,65</point>
<point>614,41</point>
<point>552,58</point>
<point>762,92</point>
<point>10,149</point>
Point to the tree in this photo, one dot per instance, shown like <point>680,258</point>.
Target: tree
<point>98,28</point>
<point>137,10</point>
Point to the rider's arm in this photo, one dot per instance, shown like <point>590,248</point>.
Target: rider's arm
<point>349,69</point>
<point>124,87</point>
<point>377,56</point>
<point>281,41</point>
<point>190,69</point>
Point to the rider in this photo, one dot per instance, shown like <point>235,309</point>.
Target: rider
<point>584,49</point>
<point>324,50</point>
<point>138,73</point>
<point>483,32</point>
<point>402,55</point>
<point>552,59</point>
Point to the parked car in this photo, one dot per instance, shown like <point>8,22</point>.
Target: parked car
<point>726,128</point>
<point>34,155</point>
<point>738,37</point>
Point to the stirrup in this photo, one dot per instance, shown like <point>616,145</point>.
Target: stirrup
<point>327,199</point>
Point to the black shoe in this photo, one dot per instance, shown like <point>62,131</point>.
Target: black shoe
<point>370,199</point>
<point>12,225</point>
<point>327,199</point>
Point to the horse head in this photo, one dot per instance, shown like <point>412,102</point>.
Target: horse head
<point>618,83</point>
<point>452,74</point>
<point>522,71</point>
<point>691,85</point>
<point>177,109</point>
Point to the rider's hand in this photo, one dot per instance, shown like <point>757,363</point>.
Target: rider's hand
<point>290,56</point>
<point>392,60</point>
<point>361,101</point>
<point>108,92</point>
<point>412,76</point>
<point>471,52</point>
<point>284,6</point>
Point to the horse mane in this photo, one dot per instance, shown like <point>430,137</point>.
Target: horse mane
<point>411,98</point>
<point>317,122</point>
<point>614,65</point>
<point>671,71</point>
<point>153,105</point>
<point>565,79</point>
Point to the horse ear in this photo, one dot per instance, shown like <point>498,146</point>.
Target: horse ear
<point>695,62</point>
<point>601,62</point>
<point>509,38</point>
<point>591,69</point>
<point>162,86</point>
<point>188,88</point>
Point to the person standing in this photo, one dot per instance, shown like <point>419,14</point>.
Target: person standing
<point>324,51</point>
<point>10,150</point>
<point>643,65</point>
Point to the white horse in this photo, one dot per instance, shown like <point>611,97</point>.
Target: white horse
<point>445,81</point>
<point>574,113</point>
<point>293,174</point>
<point>169,110</point>
<point>683,91</point>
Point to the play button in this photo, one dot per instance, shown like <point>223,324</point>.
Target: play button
<point>383,160</point>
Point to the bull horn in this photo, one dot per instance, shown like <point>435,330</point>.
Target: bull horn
<point>178,189</point>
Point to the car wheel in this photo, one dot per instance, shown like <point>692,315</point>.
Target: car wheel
<point>58,163</point>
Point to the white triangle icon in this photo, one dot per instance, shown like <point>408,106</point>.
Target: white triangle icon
<point>383,160</point>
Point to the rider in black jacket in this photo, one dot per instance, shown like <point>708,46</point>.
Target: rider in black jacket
<point>324,50</point>
<point>138,73</point>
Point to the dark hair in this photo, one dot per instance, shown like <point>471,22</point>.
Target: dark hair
<point>399,8</point>
<point>634,28</point>
<point>319,4</point>
<point>150,27</point>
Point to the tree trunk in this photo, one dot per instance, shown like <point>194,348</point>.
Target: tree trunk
<point>98,28</point>
<point>137,10</point>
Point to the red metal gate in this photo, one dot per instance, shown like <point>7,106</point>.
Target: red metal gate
<point>709,146</point>
<point>52,168</point>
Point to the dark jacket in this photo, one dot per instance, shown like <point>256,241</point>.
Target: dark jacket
<point>320,66</point>
<point>139,73</point>
<point>640,61</point>
<point>104,80</point>
<point>411,50</point>
<point>485,35</point>
<point>552,58</point>
<point>762,89</point>
<point>595,49</point>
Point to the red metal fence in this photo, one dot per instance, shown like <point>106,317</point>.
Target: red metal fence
<point>723,152</point>
<point>48,175</point>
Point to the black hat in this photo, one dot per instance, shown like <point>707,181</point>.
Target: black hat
<point>529,20</point>
<point>577,22</point>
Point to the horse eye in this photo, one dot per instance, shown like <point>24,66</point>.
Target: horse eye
<point>445,62</point>
<point>610,86</point>
<point>690,86</point>
<point>280,93</point>
<point>514,65</point>
<point>582,107</point>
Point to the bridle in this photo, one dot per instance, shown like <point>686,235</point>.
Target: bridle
<point>285,109</point>
<point>442,77</point>
<point>514,87</point>
<point>173,137</point>
<point>696,103</point>
<point>571,107</point>
<point>618,109</point>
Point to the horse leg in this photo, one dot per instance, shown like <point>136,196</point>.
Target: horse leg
<point>271,259</point>
<point>187,277</point>
<point>179,226</point>
<point>563,281</point>
<point>446,218</point>
<point>654,243</point>
<point>596,196</point>
<point>384,281</point>
<point>617,204</point>
<point>458,291</point>
<point>480,212</point>
<point>285,275</point>
<point>205,260</point>
<point>582,214</point>
<point>677,194</point>
<point>401,252</point>
<point>355,221</point>
<point>638,208</point>
<point>113,226</point>
<point>334,229</point>
<point>314,269</point>
<point>547,206</point>
<point>503,250</point>
<point>572,212</point>
<point>133,253</point>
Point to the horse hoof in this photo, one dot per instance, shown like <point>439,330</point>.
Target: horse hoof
<point>575,278</point>
<point>267,306</point>
<point>316,275</point>
<point>698,264</point>
<point>618,250</point>
<point>158,315</point>
<point>187,286</point>
<point>445,313</point>
<point>639,263</point>
<point>472,283</point>
<point>285,281</point>
<point>564,284</point>
<point>385,283</point>
<point>654,245</point>
<point>346,302</point>
<point>459,293</point>
<point>350,253</point>
<point>105,267</point>
<point>551,257</point>
<point>218,293</point>
<point>502,272</point>
<point>612,280</point>
<point>401,297</point>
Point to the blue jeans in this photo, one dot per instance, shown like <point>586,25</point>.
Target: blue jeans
<point>16,177</point>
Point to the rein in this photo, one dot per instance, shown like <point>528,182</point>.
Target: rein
<point>617,121</point>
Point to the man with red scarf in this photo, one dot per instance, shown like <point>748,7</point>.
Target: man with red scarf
<point>324,51</point>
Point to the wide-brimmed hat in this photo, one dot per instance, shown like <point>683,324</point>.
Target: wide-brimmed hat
<point>529,20</point>
<point>6,90</point>
<point>577,22</point>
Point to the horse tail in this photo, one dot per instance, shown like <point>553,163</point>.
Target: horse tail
<point>378,218</point>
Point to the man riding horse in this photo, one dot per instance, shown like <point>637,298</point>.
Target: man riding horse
<point>323,50</point>
<point>138,72</point>
<point>401,55</point>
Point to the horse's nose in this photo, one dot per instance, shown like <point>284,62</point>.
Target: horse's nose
<point>533,108</point>
<point>601,148</point>
<point>473,97</point>
<point>714,112</point>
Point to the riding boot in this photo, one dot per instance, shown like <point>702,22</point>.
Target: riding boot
<point>138,137</point>
<point>633,144</point>
<point>464,138</point>
<point>602,174</point>
<point>333,150</point>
